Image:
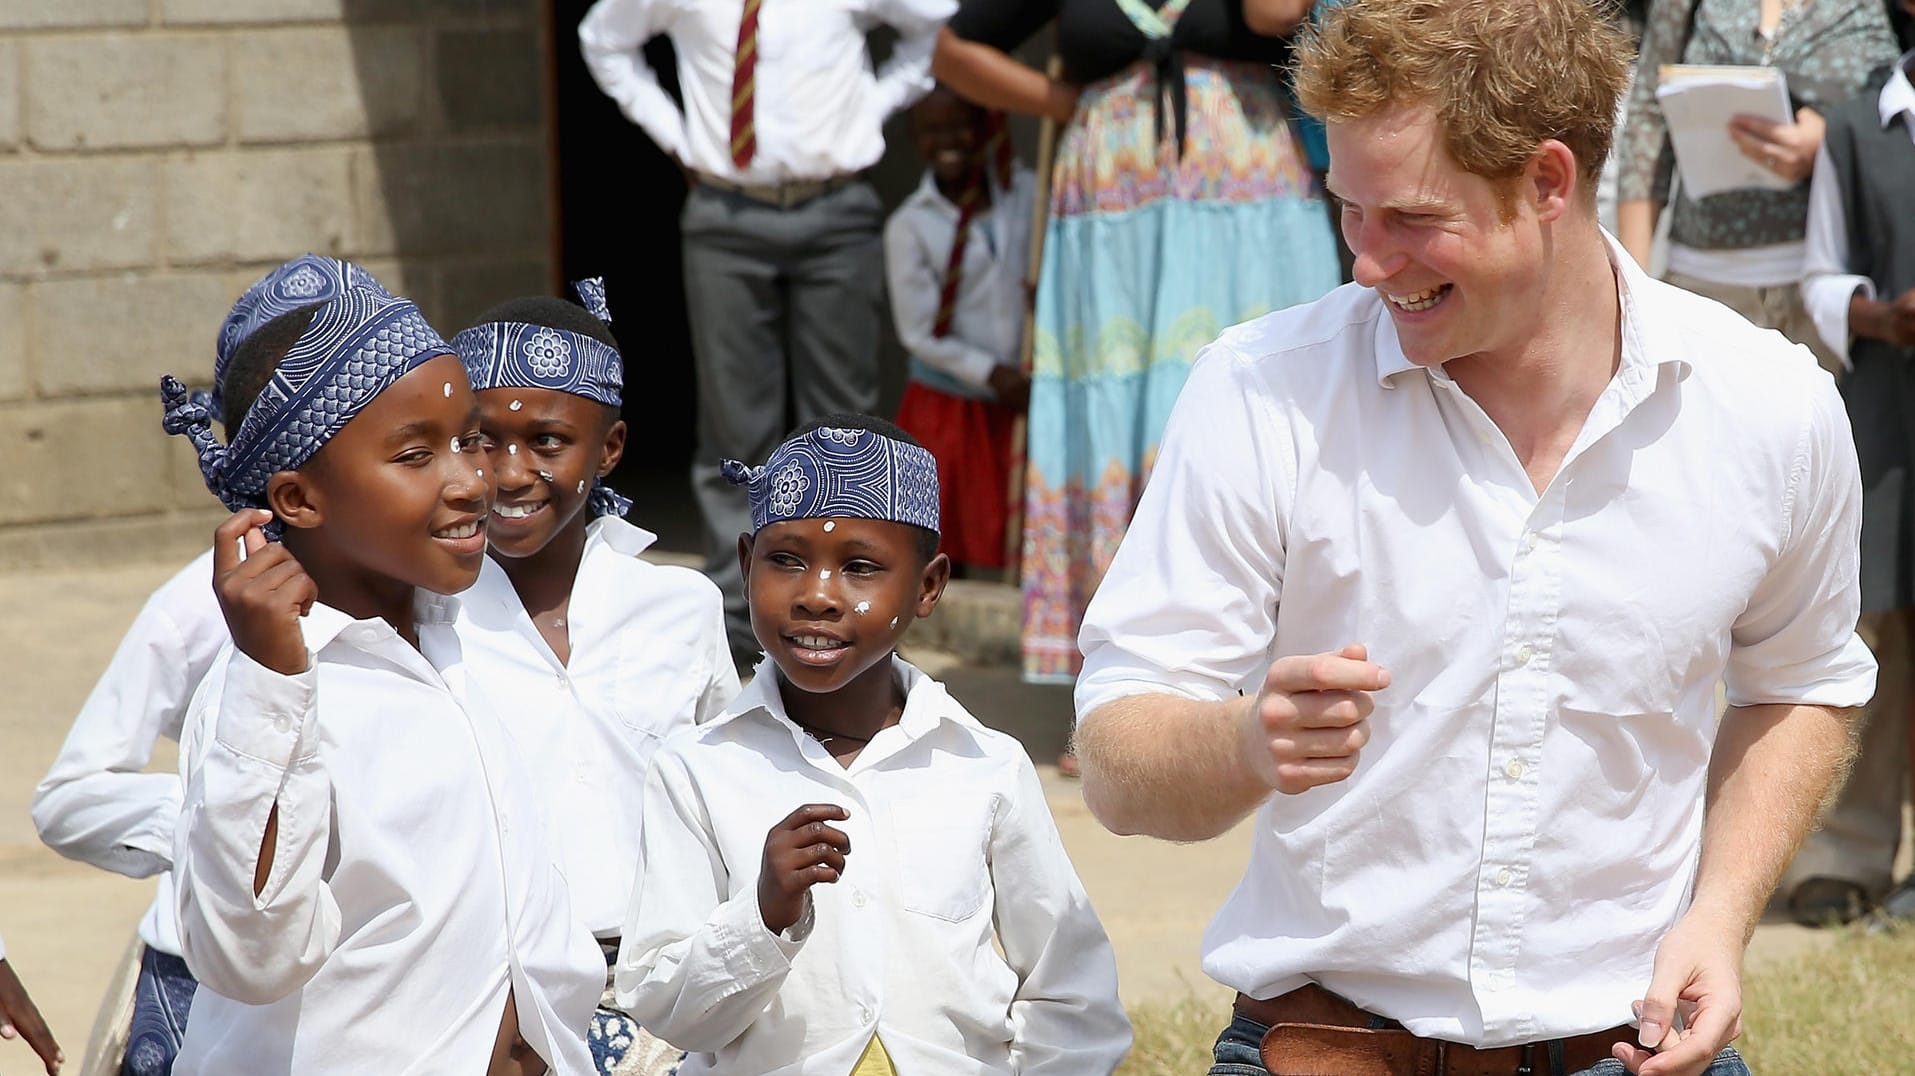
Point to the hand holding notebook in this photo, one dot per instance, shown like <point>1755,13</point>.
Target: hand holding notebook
<point>1699,103</point>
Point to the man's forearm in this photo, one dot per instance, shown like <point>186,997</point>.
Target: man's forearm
<point>1773,768</point>
<point>1167,766</point>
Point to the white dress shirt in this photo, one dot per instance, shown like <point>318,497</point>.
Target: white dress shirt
<point>951,843</point>
<point>97,803</point>
<point>411,883</point>
<point>818,110</point>
<point>649,657</point>
<point>987,322</point>
<point>1524,825</point>
<point>1827,284</point>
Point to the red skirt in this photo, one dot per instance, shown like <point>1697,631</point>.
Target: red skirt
<point>971,440</point>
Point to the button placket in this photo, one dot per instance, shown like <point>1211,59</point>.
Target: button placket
<point>1512,807</point>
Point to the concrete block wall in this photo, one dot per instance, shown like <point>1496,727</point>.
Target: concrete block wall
<point>156,156</point>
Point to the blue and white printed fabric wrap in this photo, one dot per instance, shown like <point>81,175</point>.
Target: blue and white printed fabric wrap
<point>520,355</point>
<point>359,343</point>
<point>307,279</point>
<point>856,474</point>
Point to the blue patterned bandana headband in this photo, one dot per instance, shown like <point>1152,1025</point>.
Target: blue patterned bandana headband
<point>520,355</point>
<point>856,474</point>
<point>307,279</point>
<point>358,344</point>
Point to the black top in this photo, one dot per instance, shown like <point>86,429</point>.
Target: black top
<point>1096,38</point>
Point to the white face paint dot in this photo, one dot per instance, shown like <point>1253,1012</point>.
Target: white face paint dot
<point>861,608</point>
<point>830,525</point>
<point>581,485</point>
<point>825,574</point>
<point>894,622</point>
<point>516,404</point>
<point>481,471</point>
<point>511,450</point>
<point>455,446</point>
<point>546,475</point>
<point>448,388</point>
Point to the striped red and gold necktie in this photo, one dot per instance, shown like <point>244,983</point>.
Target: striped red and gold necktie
<point>969,203</point>
<point>744,137</point>
<point>995,155</point>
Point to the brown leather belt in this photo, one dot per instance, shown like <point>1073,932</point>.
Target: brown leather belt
<point>1316,1033</point>
<point>785,195</point>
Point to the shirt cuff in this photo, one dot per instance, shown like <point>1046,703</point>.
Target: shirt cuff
<point>1827,298</point>
<point>264,715</point>
<point>974,367</point>
<point>1842,680</point>
<point>752,953</point>
<point>1096,690</point>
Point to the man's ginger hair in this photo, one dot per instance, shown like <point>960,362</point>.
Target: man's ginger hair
<point>1501,75</point>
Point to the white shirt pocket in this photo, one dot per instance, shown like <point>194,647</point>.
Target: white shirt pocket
<point>940,858</point>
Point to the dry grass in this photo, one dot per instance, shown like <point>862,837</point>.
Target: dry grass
<point>1846,1009</point>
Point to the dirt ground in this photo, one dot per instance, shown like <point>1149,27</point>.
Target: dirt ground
<point>67,925</point>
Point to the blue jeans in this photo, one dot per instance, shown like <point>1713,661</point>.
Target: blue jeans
<point>1236,1055</point>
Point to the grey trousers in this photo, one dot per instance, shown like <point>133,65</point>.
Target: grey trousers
<point>784,307</point>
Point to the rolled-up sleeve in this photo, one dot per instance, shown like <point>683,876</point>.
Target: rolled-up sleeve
<point>1189,604</point>
<point>1795,642</point>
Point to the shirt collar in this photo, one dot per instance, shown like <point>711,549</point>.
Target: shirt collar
<point>619,535</point>
<point>324,624</point>
<point>930,196</point>
<point>1898,96</point>
<point>1643,333</point>
<point>926,703</point>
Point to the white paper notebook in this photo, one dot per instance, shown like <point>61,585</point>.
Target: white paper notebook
<point>1698,102</point>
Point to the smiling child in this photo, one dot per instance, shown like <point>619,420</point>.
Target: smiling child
<point>842,764</point>
<point>362,880</point>
<point>592,654</point>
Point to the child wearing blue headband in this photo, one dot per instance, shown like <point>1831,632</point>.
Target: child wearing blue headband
<point>828,868</point>
<point>592,654</point>
<point>362,879</point>
<point>97,803</point>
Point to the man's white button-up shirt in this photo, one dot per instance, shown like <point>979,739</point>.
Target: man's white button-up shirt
<point>1524,825</point>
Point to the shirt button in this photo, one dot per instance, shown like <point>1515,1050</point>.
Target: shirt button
<point>563,682</point>
<point>864,1014</point>
<point>283,723</point>
<point>1514,770</point>
<point>858,899</point>
<point>1505,876</point>
<point>1529,540</point>
<point>1524,653</point>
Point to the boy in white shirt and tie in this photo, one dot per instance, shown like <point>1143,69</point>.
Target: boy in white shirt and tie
<point>842,764</point>
<point>784,271</point>
<point>363,881</point>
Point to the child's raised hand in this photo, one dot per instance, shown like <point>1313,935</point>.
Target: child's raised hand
<point>262,593</point>
<point>20,1019</point>
<point>800,851</point>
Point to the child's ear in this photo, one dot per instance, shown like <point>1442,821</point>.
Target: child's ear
<point>613,450</point>
<point>744,557</point>
<point>293,498</point>
<point>931,585</point>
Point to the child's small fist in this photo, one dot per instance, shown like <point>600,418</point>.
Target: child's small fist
<point>262,591</point>
<point>800,852</point>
